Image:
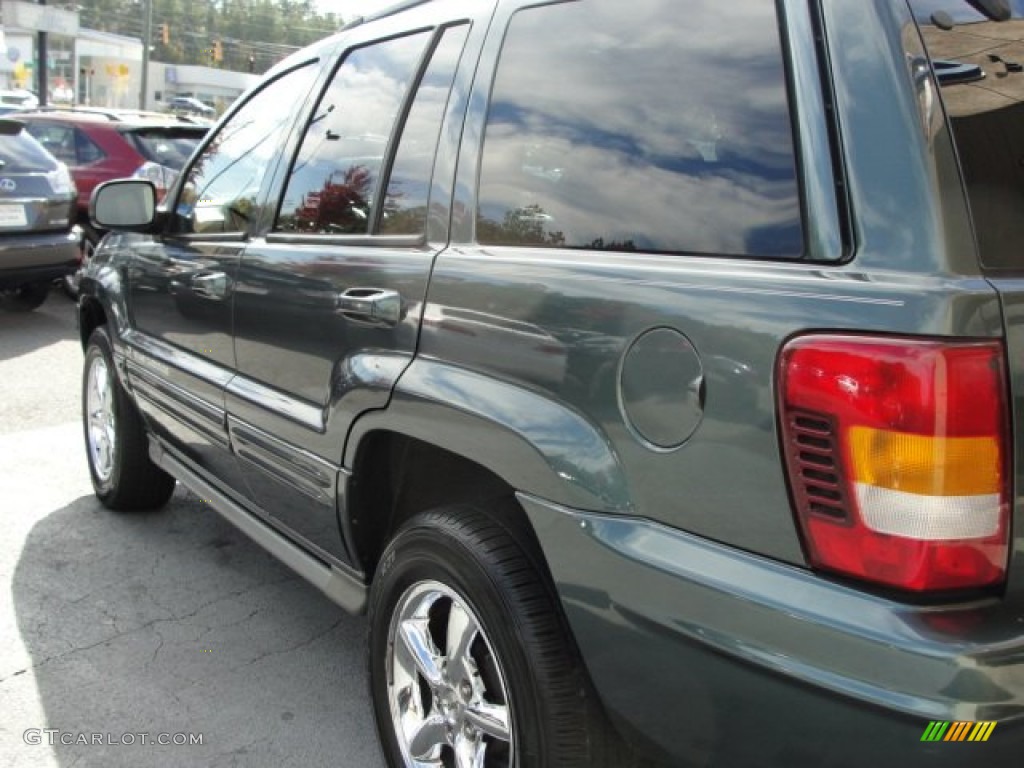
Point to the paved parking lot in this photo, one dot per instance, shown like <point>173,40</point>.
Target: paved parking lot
<point>120,630</point>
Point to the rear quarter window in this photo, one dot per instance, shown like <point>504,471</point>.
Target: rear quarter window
<point>979,64</point>
<point>636,127</point>
<point>168,148</point>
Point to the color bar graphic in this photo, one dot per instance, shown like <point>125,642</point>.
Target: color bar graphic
<point>935,731</point>
<point>939,730</point>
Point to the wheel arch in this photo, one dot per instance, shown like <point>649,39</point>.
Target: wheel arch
<point>91,316</point>
<point>395,477</point>
<point>450,435</point>
<point>98,305</point>
<point>102,301</point>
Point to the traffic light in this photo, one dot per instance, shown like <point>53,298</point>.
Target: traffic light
<point>252,63</point>
<point>165,33</point>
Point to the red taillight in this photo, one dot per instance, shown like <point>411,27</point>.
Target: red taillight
<point>897,452</point>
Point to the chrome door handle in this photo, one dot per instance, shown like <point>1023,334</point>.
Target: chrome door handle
<point>210,285</point>
<point>373,305</point>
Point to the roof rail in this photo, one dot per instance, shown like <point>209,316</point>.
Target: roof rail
<point>117,115</point>
<point>383,14</point>
<point>98,111</point>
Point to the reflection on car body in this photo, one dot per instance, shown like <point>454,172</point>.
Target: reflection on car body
<point>648,374</point>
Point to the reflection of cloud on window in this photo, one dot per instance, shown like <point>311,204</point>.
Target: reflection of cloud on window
<point>375,92</point>
<point>405,201</point>
<point>255,161</point>
<point>704,61</point>
<point>222,188</point>
<point>332,184</point>
<point>659,135</point>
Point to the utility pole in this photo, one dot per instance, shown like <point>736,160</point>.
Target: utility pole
<point>42,73</point>
<point>147,37</point>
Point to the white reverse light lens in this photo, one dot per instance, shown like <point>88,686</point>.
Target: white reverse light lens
<point>60,181</point>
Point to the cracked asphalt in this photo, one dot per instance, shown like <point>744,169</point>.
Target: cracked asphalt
<point>118,628</point>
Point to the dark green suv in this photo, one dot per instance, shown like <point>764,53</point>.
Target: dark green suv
<point>650,372</point>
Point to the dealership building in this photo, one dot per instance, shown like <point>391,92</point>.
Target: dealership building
<point>99,69</point>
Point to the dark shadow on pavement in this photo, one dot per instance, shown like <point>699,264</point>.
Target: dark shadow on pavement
<point>175,623</point>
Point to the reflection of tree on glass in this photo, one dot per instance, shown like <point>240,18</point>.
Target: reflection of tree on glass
<point>624,152</point>
<point>189,196</point>
<point>340,206</point>
<point>336,179</point>
<point>526,225</point>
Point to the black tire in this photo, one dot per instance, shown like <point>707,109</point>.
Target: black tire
<point>123,476</point>
<point>25,298</point>
<point>554,718</point>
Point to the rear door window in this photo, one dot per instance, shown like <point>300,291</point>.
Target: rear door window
<point>333,185</point>
<point>979,63</point>
<point>638,127</point>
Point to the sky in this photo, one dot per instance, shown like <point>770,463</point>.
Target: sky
<point>349,8</point>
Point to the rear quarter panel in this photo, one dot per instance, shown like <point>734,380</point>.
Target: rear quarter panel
<point>914,272</point>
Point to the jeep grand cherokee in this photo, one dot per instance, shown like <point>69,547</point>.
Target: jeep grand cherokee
<point>652,373</point>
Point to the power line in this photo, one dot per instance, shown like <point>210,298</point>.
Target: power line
<point>190,36</point>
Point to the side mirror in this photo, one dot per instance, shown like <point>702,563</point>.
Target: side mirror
<point>124,204</point>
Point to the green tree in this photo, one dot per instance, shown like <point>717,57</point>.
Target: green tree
<point>266,30</point>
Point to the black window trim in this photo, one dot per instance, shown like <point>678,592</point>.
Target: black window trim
<point>825,204</point>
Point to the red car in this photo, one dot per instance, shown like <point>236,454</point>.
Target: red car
<point>101,145</point>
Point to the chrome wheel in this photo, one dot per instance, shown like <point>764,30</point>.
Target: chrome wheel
<point>101,421</point>
<point>446,687</point>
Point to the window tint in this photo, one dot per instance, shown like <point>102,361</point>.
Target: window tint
<point>984,97</point>
<point>331,186</point>
<point>959,10</point>
<point>405,202</point>
<point>633,126</point>
<point>220,192</point>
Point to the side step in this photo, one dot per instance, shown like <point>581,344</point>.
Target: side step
<point>340,586</point>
